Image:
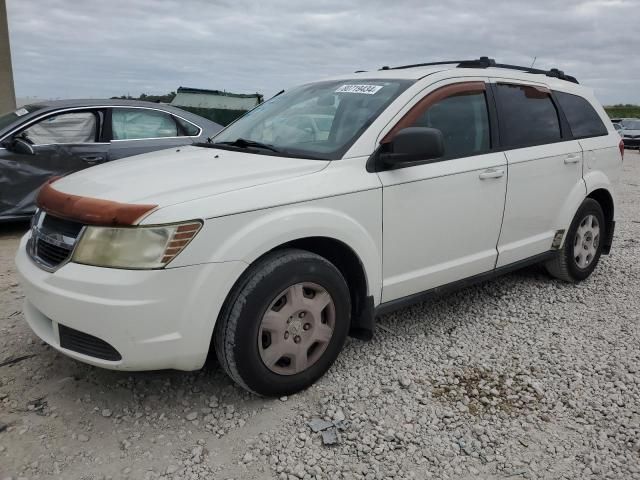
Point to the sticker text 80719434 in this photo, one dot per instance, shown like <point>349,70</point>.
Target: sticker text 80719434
<point>364,89</point>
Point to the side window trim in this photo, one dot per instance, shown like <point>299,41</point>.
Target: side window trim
<point>101,119</point>
<point>108,129</point>
<point>494,119</point>
<point>565,129</point>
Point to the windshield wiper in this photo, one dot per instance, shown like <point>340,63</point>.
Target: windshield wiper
<point>244,143</point>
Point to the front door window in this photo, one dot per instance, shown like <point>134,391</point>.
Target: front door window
<point>70,128</point>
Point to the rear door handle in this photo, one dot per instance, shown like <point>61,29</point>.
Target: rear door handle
<point>93,158</point>
<point>571,159</point>
<point>491,173</point>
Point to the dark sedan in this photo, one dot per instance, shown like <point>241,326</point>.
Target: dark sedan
<point>59,137</point>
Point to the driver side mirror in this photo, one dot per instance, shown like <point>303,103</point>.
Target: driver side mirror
<point>19,145</point>
<point>410,145</point>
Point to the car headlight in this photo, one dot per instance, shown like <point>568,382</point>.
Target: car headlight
<point>133,247</point>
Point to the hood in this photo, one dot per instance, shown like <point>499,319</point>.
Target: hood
<point>174,176</point>
<point>629,131</point>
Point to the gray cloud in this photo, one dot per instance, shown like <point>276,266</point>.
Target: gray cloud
<point>102,48</point>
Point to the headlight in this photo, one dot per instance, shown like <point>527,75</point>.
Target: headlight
<point>134,247</point>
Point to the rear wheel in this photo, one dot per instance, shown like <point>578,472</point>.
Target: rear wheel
<point>284,324</point>
<point>582,247</point>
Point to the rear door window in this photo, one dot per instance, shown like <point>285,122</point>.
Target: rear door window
<point>527,116</point>
<point>140,123</point>
<point>583,119</point>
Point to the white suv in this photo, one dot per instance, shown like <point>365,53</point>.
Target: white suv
<point>319,210</point>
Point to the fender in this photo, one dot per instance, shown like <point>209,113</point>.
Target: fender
<point>593,180</point>
<point>568,210</point>
<point>597,179</point>
<point>246,237</point>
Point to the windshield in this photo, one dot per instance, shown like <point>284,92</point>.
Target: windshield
<point>631,124</point>
<point>8,118</point>
<point>319,120</point>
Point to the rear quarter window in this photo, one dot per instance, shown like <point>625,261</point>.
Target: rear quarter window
<point>582,117</point>
<point>188,128</point>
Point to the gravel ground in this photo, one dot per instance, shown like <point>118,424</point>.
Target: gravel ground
<point>522,377</point>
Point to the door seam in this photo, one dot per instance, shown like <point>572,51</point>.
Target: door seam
<point>504,209</point>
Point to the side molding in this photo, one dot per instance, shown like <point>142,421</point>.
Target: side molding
<point>392,305</point>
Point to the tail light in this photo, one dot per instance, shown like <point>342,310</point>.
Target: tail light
<point>621,146</point>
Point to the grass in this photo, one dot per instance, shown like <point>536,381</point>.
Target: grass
<point>623,111</point>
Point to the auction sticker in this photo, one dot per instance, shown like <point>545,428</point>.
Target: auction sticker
<point>21,111</point>
<point>364,89</point>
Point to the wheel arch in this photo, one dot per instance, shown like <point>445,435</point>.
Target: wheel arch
<point>605,199</point>
<point>597,187</point>
<point>350,265</point>
<point>571,205</point>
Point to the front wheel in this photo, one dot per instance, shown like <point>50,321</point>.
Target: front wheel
<point>284,323</point>
<point>579,255</point>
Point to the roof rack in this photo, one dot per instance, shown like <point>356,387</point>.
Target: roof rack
<point>486,62</point>
<point>402,67</point>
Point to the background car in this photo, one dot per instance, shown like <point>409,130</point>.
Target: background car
<point>59,137</point>
<point>630,132</point>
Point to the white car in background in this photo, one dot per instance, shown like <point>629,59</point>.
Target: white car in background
<point>271,250</point>
<point>630,132</point>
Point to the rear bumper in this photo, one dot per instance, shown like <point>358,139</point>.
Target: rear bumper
<point>153,319</point>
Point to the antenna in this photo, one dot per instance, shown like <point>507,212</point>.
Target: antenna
<point>534,61</point>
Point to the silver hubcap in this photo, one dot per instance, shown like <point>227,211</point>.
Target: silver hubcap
<point>296,328</point>
<point>585,244</point>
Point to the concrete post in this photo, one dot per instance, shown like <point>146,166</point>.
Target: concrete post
<point>7,93</point>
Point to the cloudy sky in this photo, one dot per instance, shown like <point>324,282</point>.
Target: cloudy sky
<point>100,48</point>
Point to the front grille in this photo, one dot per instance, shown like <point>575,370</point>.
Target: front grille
<point>86,344</point>
<point>51,255</point>
<point>52,240</point>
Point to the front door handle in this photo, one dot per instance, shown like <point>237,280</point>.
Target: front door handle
<point>571,159</point>
<point>93,159</point>
<point>491,173</point>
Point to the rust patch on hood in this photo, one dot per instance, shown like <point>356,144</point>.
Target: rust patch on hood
<point>91,211</point>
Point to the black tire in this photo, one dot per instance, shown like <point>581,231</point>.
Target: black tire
<point>237,329</point>
<point>564,265</point>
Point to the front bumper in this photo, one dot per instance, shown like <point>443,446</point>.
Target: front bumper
<point>631,142</point>
<point>155,319</point>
